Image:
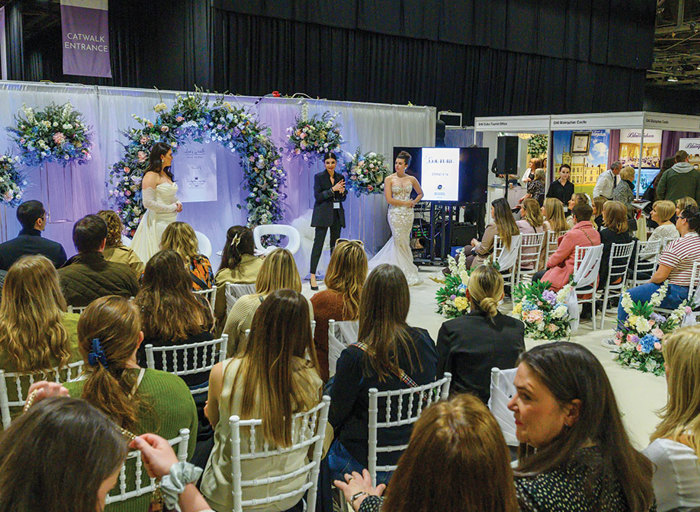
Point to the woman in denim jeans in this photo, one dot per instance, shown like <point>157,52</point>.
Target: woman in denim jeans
<point>675,265</point>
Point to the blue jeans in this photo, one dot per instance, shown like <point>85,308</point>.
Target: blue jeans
<point>340,462</point>
<point>675,295</point>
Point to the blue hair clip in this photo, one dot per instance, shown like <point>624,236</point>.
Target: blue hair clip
<point>97,354</point>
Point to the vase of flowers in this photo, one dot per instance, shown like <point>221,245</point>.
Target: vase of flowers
<point>640,339</point>
<point>367,173</point>
<point>544,312</point>
<point>312,138</point>
<point>452,298</point>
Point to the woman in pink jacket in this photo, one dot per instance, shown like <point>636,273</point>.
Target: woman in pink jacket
<point>560,265</point>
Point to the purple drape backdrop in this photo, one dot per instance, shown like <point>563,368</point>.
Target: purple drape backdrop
<point>669,142</point>
<point>614,149</point>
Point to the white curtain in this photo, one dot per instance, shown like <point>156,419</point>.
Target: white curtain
<point>109,111</point>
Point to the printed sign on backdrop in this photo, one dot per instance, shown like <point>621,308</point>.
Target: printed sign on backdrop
<point>692,147</point>
<point>629,148</point>
<point>194,166</point>
<point>85,26</point>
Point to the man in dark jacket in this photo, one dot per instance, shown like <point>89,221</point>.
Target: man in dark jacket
<point>87,275</point>
<point>681,180</point>
<point>32,216</point>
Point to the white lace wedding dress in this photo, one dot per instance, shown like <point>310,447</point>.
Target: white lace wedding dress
<point>160,204</point>
<point>397,250</point>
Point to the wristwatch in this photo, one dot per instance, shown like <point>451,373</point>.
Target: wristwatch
<point>357,495</point>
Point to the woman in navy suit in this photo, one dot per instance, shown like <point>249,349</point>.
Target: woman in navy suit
<point>329,193</point>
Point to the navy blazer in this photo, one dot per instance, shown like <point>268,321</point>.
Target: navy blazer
<point>324,198</point>
<point>30,241</point>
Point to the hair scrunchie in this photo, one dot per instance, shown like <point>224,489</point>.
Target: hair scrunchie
<point>97,354</point>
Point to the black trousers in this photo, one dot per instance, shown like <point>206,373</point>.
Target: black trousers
<point>320,237</point>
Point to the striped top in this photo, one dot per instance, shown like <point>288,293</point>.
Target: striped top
<point>680,256</point>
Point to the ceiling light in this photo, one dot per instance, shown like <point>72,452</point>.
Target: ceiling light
<point>671,79</point>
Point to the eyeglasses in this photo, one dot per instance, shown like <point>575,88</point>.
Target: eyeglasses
<point>345,240</point>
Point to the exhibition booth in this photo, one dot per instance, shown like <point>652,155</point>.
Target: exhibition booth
<point>589,143</point>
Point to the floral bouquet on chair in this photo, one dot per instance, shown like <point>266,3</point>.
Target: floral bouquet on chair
<point>543,311</point>
<point>640,339</point>
<point>452,298</point>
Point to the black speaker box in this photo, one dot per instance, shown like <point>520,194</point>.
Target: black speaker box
<point>462,234</point>
<point>507,156</point>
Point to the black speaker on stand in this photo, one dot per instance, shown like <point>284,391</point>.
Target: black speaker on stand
<point>507,158</point>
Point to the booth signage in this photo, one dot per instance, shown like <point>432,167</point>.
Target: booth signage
<point>85,27</point>
<point>512,124</point>
<point>672,122</point>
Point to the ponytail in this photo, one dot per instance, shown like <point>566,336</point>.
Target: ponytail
<point>109,333</point>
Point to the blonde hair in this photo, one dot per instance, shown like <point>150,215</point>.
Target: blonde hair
<point>680,417</point>
<point>615,216</point>
<point>346,274</point>
<point>598,204</point>
<point>31,316</point>
<point>279,270</point>
<point>114,227</point>
<point>504,220</point>
<point>181,238</point>
<point>684,202</point>
<point>116,325</point>
<point>533,212</point>
<point>554,212</point>
<point>627,173</point>
<point>539,174</point>
<point>664,210</point>
<point>486,289</point>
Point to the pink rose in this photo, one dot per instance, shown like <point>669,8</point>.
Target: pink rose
<point>657,345</point>
<point>142,156</point>
<point>303,135</point>
<point>150,125</point>
<point>639,347</point>
<point>630,338</point>
<point>127,170</point>
<point>59,138</point>
<point>179,119</point>
<point>688,310</point>
<point>144,139</point>
<point>618,341</point>
<point>127,193</point>
<point>658,333</point>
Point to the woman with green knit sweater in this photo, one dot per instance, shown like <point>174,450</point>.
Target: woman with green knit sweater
<point>137,399</point>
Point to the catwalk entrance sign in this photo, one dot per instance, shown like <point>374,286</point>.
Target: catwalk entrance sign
<point>85,39</point>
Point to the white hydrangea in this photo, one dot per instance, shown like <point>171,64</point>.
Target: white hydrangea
<point>560,311</point>
<point>642,325</point>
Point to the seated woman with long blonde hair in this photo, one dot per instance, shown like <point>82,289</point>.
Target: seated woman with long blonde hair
<point>181,238</point>
<point>340,300</point>
<point>274,378</point>
<point>279,270</point>
<point>36,333</point>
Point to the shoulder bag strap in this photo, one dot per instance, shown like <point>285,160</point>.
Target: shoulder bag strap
<point>402,375</point>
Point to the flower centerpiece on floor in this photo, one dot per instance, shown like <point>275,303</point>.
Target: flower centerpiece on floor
<point>543,311</point>
<point>452,297</point>
<point>367,173</point>
<point>12,183</point>
<point>56,134</point>
<point>311,138</point>
<point>640,339</point>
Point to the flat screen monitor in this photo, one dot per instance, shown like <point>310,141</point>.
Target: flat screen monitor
<point>449,175</point>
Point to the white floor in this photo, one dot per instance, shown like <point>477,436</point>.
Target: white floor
<point>640,395</point>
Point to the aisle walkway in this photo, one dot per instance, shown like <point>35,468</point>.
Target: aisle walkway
<point>639,394</point>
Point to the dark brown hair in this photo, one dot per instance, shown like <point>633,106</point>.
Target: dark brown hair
<point>170,311</point>
<point>582,212</point>
<point>383,309</point>
<point>405,156</point>
<point>115,323</point>
<point>155,164</point>
<point>280,331</point>
<point>239,241</point>
<point>475,473</point>
<point>56,456</point>
<point>571,372</point>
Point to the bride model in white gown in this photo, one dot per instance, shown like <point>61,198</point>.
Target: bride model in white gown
<point>397,191</point>
<point>158,193</point>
